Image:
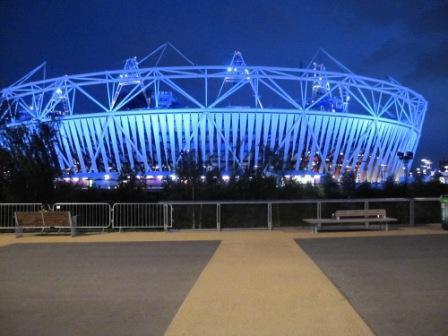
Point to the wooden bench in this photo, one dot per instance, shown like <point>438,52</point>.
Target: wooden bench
<point>43,220</point>
<point>350,217</point>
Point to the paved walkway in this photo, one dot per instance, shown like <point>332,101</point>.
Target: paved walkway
<point>256,283</point>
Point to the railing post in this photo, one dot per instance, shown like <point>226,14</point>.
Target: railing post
<point>270,216</point>
<point>411,212</point>
<point>111,216</point>
<point>366,207</point>
<point>218,216</point>
<point>165,217</point>
<point>318,215</point>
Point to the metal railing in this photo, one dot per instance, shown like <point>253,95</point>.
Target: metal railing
<point>287,213</point>
<point>219,215</point>
<point>7,211</point>
<point>142,216</point>
<point>88,215</point>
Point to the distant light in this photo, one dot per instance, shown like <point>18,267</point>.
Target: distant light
<point>75,179</point>
<point>58,91</point>
<point>229,69</point>
<point>235,69</point>
<point>159,177</point>
<point>173,177</point>
<point>246,71</point>
<point>225,178</point>
<point>106,177</point>
<point>202,177</point>
<point>307,178</point>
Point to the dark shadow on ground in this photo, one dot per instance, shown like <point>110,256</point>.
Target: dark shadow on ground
<point>96,288</point>
<point>399,285</point>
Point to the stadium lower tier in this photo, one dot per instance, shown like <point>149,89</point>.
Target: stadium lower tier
<point>151,141</point>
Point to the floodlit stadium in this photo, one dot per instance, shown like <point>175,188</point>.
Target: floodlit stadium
<point>314,119</point>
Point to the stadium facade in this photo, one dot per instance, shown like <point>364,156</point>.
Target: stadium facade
<point>311,119</point>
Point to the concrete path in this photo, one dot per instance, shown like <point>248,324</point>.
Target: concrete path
<point>398,284</point>
<point>256,283</point>
<point>125,288</point>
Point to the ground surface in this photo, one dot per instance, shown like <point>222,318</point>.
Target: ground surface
<point>399,285</point>
<point>255,283</point>
<point>96,289</point>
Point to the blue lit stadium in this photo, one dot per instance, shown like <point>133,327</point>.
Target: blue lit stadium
<point>319,118</point>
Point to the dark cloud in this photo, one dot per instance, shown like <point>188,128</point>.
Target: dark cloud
<point>418,17</point>
<point>391,48</point>
<point>433,20</point>
<point>422,45</point>
<point>385,12</point>
<point>432,64</point>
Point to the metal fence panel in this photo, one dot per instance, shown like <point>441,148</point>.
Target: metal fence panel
<point>88,215</point>
<point>142,216</point>
<point>7,212</point>
<point>427,210</point>
<point>278,213</point>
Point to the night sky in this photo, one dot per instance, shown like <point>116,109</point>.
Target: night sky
<point>405,39</point>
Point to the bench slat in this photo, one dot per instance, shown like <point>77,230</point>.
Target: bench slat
<point>365,216</point>
<point>29,219</point>
<point>361,213</point>
<point>43,219</point>
<point>57,219</point>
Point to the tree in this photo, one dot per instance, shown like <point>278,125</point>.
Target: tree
<point>348,184</point>
<point>330,187</point>
<point>29,163</point>
<point>189,171</point>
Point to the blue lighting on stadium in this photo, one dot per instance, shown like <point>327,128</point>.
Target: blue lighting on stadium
<point>314,120</point>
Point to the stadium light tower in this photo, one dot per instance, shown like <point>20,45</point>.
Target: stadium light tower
<point>405,158</point>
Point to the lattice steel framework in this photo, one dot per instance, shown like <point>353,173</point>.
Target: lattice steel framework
<point>313,119</point>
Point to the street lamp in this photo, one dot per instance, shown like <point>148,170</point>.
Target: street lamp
<point>405,158</point>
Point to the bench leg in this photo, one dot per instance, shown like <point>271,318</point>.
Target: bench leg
<point>19,232</point>
<point>73,229</point>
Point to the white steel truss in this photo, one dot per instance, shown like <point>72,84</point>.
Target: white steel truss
<point>314,119</point>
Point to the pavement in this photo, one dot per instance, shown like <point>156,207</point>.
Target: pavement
<point>398,285</point>
<point>96,288</point>
<point>193,283</point>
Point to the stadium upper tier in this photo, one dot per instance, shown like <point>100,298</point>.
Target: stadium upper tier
<point>307,120</point>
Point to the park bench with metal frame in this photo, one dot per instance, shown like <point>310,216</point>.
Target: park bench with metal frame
<point>44,220</point>
<point>353,217</point>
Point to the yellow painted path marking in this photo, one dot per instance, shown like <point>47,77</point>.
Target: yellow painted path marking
<point>265,286</point>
